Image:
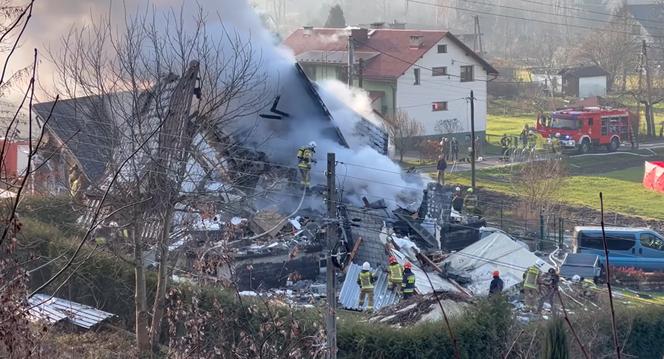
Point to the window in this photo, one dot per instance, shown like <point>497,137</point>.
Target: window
<point>615,241</point>
<point>439,71</point>
<point>467,73</point>
<point>650,240</point>
<point>439,106</point>
<point>416,72</point>
<point>442,49</point>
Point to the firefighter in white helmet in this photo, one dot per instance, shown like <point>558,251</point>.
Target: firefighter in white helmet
<point>305,157</point>
<point>366,281</point>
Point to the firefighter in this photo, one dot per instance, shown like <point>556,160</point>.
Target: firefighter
<point>395,271</point>
<point>445,148</point>
<point>497,284</point>
<point>555,143</point>
<point>470,202</point>
<point>505,143</point>
<point>408,281</point>
<point>549,289</point>
<point>524,135</point>
<point>457,200</point>
<point>305,157</point>
<point>441,166</point>
<point>454,148</point>
<point>532,139</point>
<point>366,281</point>
<point>531,281</point>
<point>589,288</point>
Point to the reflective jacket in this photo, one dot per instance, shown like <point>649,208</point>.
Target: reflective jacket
<point>365,280</point>
<point>305,155</point>
<point>588,284</point>
<point>470,202</point>
<point>408,281</point>
<point>530,277</point>
<point>396,272</point>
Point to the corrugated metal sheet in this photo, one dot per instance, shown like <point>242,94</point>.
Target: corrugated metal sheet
<point>422,285</point>
<point>53,310</point>
<point>350,291</point>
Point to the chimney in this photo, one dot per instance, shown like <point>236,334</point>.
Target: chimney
<point>360,35</point>
<point>308,30</point>
<point>377,25</point>
<point>416,41</point>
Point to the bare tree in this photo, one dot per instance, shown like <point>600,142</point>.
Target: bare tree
<point>164,94</point>
<point>539,182</point>
<point>18,338</point>
<point>615,50</point>
<point>402,128</point>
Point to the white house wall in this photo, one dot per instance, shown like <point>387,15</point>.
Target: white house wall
<point>417,100</point>
<point>592,86</point>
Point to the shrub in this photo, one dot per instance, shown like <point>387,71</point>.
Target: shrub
<point>556,345</point>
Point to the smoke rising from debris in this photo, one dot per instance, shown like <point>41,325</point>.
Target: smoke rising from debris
<point>361,172</point>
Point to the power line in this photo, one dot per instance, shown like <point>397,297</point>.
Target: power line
<point>540,21</point>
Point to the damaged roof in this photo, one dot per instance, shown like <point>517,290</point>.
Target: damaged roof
<point>84,126</point>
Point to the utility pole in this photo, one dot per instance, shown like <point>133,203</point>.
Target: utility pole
<point>331,236</point>
<point>351,60</point>
<point>360,73</point>
<point>477,43</point>
<point>472,139</point>
<point>636,128</point>
<point>649,114</point>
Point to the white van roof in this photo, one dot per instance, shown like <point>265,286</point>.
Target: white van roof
<point>611,229</point>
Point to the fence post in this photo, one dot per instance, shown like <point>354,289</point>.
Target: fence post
<point>501,215</point>
<point>561,232</point>
<point>541,239</point>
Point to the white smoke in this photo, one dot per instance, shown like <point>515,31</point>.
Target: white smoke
<point>361,170</point>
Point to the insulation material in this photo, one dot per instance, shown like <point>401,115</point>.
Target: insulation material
<point>495,252</point>
<point>653,176</point>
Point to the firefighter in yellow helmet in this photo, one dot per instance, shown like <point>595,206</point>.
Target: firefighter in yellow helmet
<point>366,281</point>
<point>395,271</point>
<point>470,202</point>
<point>305,157</point>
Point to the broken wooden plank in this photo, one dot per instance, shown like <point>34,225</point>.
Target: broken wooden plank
<point>352,254</point>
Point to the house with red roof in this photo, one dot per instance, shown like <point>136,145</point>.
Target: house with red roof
<point>426,73</point>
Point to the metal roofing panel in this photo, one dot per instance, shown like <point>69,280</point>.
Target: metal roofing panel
<point>53,310</point>
<point>349,297</point>
<point>422,284</point>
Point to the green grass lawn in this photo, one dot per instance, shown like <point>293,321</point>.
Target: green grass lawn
<point>622,189</point>
<point>497,125</point>
<point>618,176</point>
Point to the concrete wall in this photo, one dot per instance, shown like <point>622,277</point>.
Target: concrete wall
<point>416,100</point>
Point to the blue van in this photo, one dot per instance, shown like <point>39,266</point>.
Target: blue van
<point>628,247</point>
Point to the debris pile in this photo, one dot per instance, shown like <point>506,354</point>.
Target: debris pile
<point>421,310</point>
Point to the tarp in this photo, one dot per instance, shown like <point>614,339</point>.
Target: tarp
<point>653,176</point>
<point>495,252</point>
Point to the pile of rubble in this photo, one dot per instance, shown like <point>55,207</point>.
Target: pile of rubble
<point>422,309</point>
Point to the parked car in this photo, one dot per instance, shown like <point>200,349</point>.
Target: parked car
<point>628,247</point>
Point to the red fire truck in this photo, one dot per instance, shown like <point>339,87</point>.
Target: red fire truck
<point>584,128</point>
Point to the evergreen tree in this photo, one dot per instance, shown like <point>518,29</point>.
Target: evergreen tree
<point>556,345</point>
<point>336,17</point>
